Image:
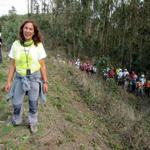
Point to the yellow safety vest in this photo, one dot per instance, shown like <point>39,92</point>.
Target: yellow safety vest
<point>26,58</point>
<point>117,70</point>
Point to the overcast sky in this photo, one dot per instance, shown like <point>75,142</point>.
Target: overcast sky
<point>6,5</point>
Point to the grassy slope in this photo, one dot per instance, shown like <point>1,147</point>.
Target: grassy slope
<point>82,113</point>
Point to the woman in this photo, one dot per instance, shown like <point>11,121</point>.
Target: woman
<point>27,56</point>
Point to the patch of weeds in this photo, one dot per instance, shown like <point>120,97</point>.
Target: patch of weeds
<point>23,142</point>
<point>2,107</point>
<point>51,67</point>
<point>70,136</point>
<point>4,115</point>
<point>69,117</point>
<point>82,146</point>
<point>2,94</point>
<point>9,145</point>
<point>85,130</point>
<point>3,75</point>
<point>31,148</point>
<point>77,98</point>
<point>56,102</point>
<point>6,130</point>
<point>4,65</point>
<point>48,113</point>
<point>114,145</point>
<point>95,145</point>
<point>41,130</point>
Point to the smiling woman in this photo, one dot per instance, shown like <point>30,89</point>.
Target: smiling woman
<point>27,56</point>
<point>28,32</point>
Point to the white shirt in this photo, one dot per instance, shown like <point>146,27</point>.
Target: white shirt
<point>41,56</point>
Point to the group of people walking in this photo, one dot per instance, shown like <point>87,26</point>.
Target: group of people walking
<point>89,68</point>
<point>131,81</point>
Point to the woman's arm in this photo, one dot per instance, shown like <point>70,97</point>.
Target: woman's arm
<point>44,75</point>
<point>12,69</point>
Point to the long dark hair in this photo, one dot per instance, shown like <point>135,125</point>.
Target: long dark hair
<point>37,37</point>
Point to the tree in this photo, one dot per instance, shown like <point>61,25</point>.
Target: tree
<point>12,10</point>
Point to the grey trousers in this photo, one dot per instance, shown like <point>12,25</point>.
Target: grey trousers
<point>33,96</point>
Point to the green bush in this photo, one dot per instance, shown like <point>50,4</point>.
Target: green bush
<point>10,29</point>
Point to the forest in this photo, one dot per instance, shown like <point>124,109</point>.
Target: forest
<point>107,32</point>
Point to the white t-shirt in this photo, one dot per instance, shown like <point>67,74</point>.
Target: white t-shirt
<point>27,57</point>
<point>41,56</point>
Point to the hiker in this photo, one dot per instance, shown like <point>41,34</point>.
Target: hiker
<point>88,67</point>
<point>94,70</point>
<point>116,72</point>
<point>77,63</point>
<point>119,77</point>
<point>126,82</point>
<point>70,62</point>
<point>28,64</point>
<point>141,85</point>
<point>81,67</point>
<point>111,73</point>
<point>133,78</point>
<point>105,74</point>
<point>84,66</point>
<point>125,73</point>
<point>148,87</point>
<point>0,48</point>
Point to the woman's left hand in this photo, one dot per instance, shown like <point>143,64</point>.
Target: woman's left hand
<point>45,87</point>
<point>44,76</point>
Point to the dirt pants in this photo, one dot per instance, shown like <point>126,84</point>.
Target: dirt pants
<point>33,95</point>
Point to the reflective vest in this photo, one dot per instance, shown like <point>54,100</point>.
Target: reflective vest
<point>26,58</point>
<point>117,70</point>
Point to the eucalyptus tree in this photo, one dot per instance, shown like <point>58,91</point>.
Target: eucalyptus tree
<point>112,28</point>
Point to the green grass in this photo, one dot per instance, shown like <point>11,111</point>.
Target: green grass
<point>80,110</point>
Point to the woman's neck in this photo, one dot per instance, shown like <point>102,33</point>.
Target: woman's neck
<point>28,43</point>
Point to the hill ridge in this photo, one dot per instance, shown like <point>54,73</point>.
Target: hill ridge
<point>81,113</point>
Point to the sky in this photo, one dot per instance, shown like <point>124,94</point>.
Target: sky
<point>6,5</point>
<point>20,6</point>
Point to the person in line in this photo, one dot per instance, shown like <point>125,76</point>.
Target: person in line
<point>119,77</point>
<point>148,87</point>
<point>77,63</point>
<point>141,85</point>
<point>0,48</point>
<point>111,73</point>
<point>28,64</point>
<point>133,78</point>
<point>125,73</point>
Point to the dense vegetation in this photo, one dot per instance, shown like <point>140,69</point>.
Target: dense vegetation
<point>81,113</point>
<point>113,29</point>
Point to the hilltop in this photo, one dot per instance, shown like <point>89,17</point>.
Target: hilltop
<point>82,113</point>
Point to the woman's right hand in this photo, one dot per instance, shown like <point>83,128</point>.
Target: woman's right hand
<point>7,87</point>
<point>12,69</point>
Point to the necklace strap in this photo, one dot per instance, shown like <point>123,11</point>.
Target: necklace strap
<point>29,43</point>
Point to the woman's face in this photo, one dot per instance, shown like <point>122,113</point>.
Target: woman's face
<point>28,31</point>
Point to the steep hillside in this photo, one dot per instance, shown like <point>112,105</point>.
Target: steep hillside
<point>82,113</point>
